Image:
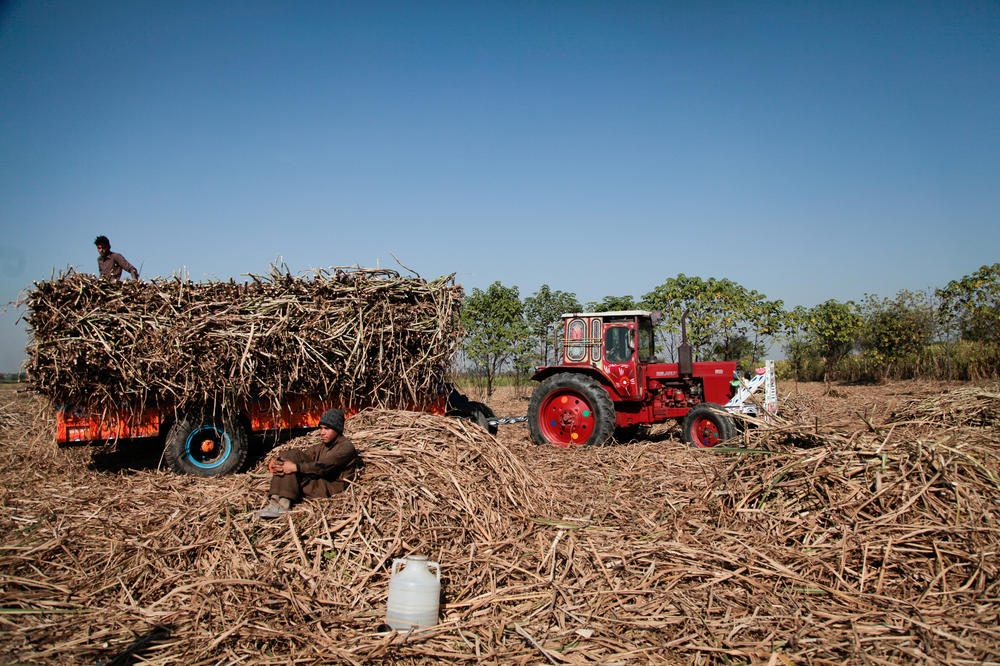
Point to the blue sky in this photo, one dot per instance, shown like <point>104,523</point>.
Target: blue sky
<point>806,150</point>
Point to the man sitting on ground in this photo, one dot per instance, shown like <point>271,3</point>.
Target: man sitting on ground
<point>322,470</point>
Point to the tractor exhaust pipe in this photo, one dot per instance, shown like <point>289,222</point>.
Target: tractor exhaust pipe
<point>685,366</point>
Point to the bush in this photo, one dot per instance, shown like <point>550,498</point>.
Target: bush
<point>964,359</point>
<point>961,360</point>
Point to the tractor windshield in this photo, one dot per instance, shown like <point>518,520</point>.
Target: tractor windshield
<point>618,344</point>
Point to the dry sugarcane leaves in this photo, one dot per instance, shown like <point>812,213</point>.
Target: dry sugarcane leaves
<point>363,337</point>
<point>877,544</point>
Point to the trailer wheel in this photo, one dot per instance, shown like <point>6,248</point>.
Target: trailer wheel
<point>569,410</point>
<point>206,445</point>
<point>481,414</point>
<point>706,425</point>
<point>476,412</point>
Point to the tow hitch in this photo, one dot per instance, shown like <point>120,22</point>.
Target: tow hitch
<point>505,420</point>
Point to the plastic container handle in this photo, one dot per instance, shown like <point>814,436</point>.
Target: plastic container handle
<point>395,567</point>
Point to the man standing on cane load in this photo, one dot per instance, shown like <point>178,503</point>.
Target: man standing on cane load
<point>321,470</point>
<point>111,264</point>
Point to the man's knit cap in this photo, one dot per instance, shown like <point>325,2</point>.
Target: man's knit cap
<point>333,418</point>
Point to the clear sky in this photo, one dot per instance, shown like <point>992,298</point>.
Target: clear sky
<point>807,150</point>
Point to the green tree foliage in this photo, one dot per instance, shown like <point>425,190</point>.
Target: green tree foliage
<point>802,352</point>
<point>897,328</point>
<point>971,306</point>
<point>758,320</point>
<point>612,304</point>
<point>829,330</point>
<point>543,311</point>
<point>685,294</point>
<point>496,333</point>
<point>804,360</point>
<point>725,319</point>
<point>768,320</point>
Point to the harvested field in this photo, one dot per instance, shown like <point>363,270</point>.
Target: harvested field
<point>861,528</point>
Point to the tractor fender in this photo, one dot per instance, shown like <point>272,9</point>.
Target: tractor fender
<point>589,371</point>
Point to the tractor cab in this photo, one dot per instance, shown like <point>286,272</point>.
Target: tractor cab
<point>614,345</point>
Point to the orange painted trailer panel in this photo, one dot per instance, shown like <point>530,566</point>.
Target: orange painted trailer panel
<point>75,424</point>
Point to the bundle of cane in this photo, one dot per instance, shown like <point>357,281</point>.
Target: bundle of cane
<point>361,336</point>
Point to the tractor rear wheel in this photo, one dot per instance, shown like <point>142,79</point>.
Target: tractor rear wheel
<point>706,425</point>
<point>570,409</point>
<point>206,445</point>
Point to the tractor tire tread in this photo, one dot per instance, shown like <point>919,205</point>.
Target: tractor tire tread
<point>715,413</point>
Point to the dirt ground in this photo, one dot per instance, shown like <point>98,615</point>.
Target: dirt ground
<point>861,528</point>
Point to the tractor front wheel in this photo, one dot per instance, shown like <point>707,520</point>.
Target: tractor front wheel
<point>706,425</point>
<point>569,409</point>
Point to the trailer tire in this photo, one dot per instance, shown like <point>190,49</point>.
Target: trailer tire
<point>570,409</point>
<point>481,414</point>
<point>707,425</point>
<point>209,445</point>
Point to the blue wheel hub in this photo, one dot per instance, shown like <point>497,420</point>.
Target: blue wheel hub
<point>208,447</point>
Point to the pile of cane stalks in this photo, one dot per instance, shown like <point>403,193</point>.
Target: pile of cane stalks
<point>865,536</point>
<point>363,337</point>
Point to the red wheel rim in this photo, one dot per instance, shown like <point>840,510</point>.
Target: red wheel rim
<point>566,418</point>
<point>705,433</point>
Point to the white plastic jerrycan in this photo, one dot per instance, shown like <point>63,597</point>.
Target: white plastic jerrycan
<point>414,594</point>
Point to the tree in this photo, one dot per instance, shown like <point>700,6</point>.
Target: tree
<point>748,321</point>
<point>612,304</point>
<point>542,311</point>
<point>700,299</point>
<point>803,350</point>
<point>832,328</point>
<point>721,315</point>
<point>971,306</point>
<point>768,320</point>
<point>894,329</point>
<point>496,333</point>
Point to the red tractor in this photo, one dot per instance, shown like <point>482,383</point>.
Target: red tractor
<point>609,379</point>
